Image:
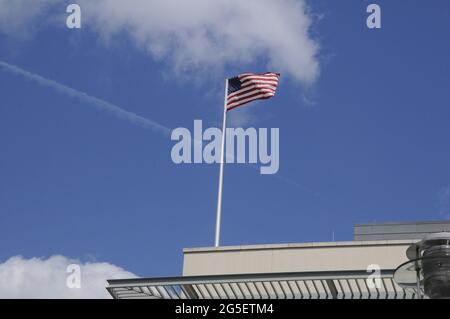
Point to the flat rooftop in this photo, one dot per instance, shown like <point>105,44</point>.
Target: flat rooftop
<point>353,243</point>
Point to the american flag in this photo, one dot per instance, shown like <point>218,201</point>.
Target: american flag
<point>249,87</point>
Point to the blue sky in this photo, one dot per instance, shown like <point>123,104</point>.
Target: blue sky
<point>364,140</point>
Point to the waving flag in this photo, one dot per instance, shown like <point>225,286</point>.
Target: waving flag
<point>240,90</point>
<point>249,87</point>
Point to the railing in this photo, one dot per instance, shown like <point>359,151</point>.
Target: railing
<point>300,285</point>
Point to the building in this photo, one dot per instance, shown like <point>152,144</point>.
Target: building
<point>362,268</point>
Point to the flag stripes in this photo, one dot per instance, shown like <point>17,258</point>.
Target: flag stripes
<point>249,87</point>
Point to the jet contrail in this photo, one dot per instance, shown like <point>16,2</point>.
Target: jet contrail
<point>107,106</point>
<point>96,102</point>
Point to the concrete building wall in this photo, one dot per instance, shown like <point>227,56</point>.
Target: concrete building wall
<point>399,231</point>
<point>353,255</point>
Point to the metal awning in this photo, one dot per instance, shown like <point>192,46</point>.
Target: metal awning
<point>299,285</point>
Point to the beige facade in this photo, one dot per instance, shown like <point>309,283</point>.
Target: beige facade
<point>333,256</point>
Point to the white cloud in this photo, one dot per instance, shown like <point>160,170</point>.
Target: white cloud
<point>204,35</point>
<point>47,278</point>
<point>19,17</point>
<point>196,35</point>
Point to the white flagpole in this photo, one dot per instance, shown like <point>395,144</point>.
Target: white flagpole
<point>222,162</point>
